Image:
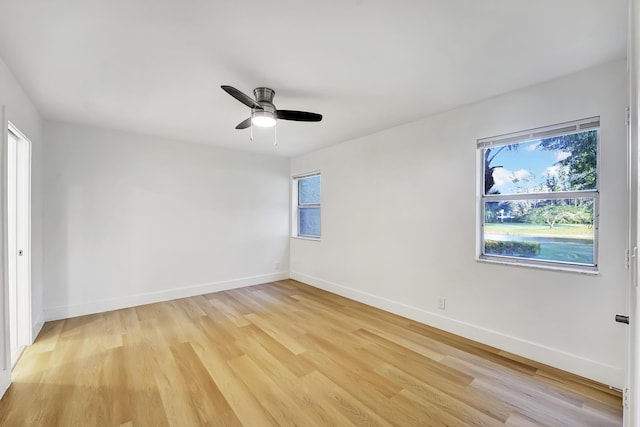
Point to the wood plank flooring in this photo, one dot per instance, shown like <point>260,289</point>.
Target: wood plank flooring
<point>285,354</point>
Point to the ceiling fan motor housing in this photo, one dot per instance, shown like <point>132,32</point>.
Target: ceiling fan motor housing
<point>270,109</point>
<point>264,94</point>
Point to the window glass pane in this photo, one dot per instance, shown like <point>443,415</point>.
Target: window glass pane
<point>559,163</point>
<point>557,230</point>
<point>309,190</point>
<point>309,222</point>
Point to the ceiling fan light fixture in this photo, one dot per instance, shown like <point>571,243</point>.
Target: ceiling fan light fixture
<point>263,119</point>
<point>263,112</point>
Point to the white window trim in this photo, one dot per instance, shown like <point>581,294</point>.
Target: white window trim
<point>295,207</point>
<point>529,135</point>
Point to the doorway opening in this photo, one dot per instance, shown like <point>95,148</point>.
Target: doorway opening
<point>19,240</point>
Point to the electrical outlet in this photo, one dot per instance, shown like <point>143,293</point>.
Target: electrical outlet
<point>278,266</point>
<point>442,303</point>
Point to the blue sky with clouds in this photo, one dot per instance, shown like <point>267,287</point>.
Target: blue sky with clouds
<point>528,163</point>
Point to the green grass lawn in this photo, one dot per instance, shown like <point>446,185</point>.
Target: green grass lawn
<point>575,231</point>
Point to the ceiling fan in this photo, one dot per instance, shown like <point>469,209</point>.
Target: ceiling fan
<point>263,112</point>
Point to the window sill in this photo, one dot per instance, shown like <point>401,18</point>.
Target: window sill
<point>592,271</point>
<point>313,239</point>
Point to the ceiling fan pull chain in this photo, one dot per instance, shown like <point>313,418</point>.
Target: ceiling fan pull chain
<point>251,136</point>
<point>275,135</point>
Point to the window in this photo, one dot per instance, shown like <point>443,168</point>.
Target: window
<point>539,203</point>
<point>306,190</point>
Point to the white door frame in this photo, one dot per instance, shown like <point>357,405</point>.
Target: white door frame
<point>5,344</point>
<point>631,404</point>
<point>25,335</point>
<point>19,265</point>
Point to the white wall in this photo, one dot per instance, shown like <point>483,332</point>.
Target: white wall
<point>134,219</point>
<point>21,112</point>
<point>399,229</point>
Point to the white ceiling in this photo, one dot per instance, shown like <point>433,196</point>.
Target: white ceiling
<point>155,66</point>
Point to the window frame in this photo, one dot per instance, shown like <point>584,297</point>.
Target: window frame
<point>297,206</point>
<point>567,128</point>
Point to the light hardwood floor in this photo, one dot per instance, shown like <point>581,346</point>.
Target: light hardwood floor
<point>284,354</point>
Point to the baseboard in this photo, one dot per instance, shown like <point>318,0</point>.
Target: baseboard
<point>5,382</point>
<point>100,306</point>
<point>597,371</point>
<point>37,327</point>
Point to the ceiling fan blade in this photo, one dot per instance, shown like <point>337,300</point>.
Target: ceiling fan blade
<point>298,116</point>
<point>244,124</point>
<point>245,99</point>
